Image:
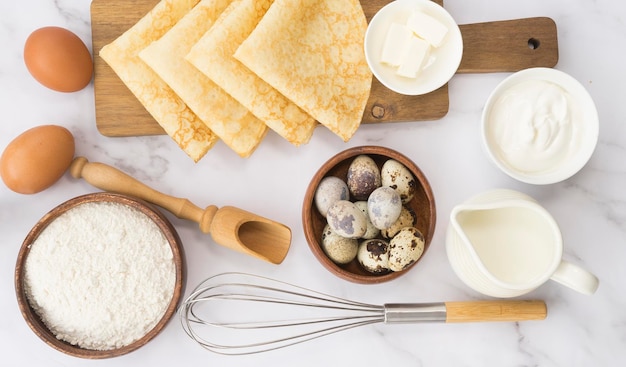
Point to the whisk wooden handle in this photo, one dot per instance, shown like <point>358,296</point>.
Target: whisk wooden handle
<point>469,311</point>
<point>478,311</point>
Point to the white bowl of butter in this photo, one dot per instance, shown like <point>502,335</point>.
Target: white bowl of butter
<point>413,47</point>
<point>540,126</point>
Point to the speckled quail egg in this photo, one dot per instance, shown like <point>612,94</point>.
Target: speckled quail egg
<point>373,255</point>
<point>407,218</point>
<point>395,175</point>
<point>345,219</point>
<point>384,207</point>
<point>405,248</point>
<point>339,249</point>
<point>329,190</point>
<point>371,232</point>
<point>363,177</point>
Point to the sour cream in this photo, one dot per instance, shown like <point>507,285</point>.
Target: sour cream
<point>534,126</point>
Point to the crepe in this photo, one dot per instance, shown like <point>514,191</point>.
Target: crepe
<point>178,121</point>
<point>213,56</point>
<point>228,119</point>
<point>311,51</point>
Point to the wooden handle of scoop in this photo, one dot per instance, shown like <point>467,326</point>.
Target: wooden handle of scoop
<point>111,179</point>
<point>479,311</point>
<point>231,227</point>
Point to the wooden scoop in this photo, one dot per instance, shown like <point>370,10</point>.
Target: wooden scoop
<point>229,226</point>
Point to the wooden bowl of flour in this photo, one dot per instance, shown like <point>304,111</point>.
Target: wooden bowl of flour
<point>100,275</point>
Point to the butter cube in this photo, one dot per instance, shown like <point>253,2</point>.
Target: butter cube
<point>396,44</point>
<point>427,28</point>
<point>413,61</point>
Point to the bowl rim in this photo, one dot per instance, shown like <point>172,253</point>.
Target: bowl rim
<point>582,97</point>
<point>452,49</point>
<point>308,207</point>
<point>172,237</point>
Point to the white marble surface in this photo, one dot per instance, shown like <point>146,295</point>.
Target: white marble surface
<point>591,206</point>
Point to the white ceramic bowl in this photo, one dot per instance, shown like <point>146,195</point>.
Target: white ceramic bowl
<point>540,126</point>
<point>444,60</point>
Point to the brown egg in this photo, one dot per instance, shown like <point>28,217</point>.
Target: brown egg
<point>37,158</point>
<point>58,59</point>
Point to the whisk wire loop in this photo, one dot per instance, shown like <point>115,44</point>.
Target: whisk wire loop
<point>256,291</point>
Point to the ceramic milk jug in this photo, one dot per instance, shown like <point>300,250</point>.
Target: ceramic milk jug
<point>502,243</point>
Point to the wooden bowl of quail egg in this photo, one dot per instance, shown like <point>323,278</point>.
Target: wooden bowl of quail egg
<point>369,214</point>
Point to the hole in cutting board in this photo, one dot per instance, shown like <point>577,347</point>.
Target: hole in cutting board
<point>533,43</point>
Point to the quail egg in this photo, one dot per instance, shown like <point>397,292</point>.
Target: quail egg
<point>405,248</point>
<point>371,231</point>
<point>384,207</point>
<point>329,190</point>
<point>395,175</point>
<point>346,219</point>
<point>363,177</point>
<point>339,249</point>
<point>407,218</point>
<point>373,255</point>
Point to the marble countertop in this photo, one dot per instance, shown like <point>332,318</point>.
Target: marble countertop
<point>590,207</point>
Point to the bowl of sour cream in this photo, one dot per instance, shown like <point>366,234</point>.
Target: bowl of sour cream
<point>540,126</point>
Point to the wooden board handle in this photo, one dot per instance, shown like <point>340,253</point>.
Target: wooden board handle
<point>479,311</point>
<point>509,45</point>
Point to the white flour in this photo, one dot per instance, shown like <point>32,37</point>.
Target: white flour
<point>100,276</point>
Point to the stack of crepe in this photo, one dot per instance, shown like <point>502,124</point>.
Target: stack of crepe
<point>231,70</point>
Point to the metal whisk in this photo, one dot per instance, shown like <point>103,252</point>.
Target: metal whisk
<point>238,313</point>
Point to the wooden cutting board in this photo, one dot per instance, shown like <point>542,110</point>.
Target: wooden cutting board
<point>499,46</point>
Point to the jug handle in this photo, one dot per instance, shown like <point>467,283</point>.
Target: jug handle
<point>576,278</point>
